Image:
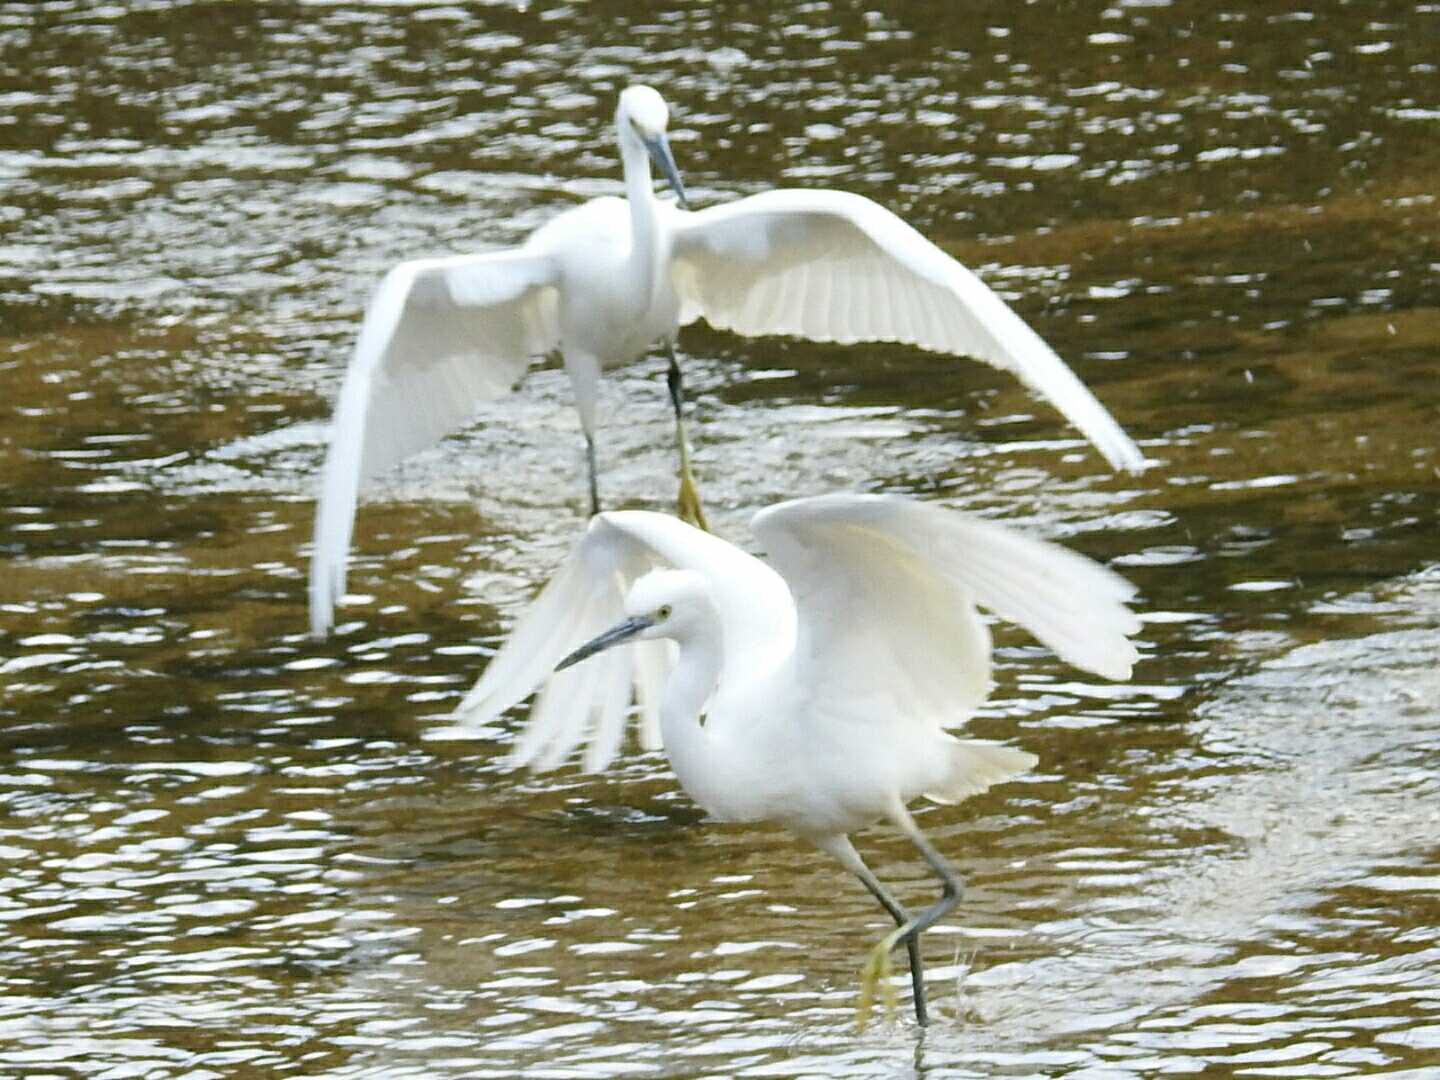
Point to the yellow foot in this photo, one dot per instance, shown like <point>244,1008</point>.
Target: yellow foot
<point>876,973</point>
<point>690,509</point>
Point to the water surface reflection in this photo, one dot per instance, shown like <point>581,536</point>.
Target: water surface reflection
<point>230,851</point>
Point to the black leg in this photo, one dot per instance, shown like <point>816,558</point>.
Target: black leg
<point>845,851</point>
<point>912,944</point>
<point>675,383</point>
<point>952,889</point>
<point>594,486</point>
<point>689,503</point>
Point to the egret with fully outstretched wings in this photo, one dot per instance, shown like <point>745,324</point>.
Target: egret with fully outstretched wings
<point>606,281</point>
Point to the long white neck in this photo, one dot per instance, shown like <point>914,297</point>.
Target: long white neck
<point>645,251</point>
<point>687,741</point>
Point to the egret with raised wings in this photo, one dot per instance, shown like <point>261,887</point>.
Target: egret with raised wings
<point>816,694</point>
<point>606,281</point>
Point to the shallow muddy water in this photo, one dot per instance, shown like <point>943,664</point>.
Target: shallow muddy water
<point>229,851</point>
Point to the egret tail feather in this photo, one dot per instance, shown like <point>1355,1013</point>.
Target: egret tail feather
<point>978,766</point>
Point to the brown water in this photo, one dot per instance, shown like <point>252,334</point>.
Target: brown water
<point>231,852</point>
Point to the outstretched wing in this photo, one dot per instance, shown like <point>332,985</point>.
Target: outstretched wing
<point>887,590</point>
<point>835,266</point>
<point>588,703</point>
<point>439,336</point>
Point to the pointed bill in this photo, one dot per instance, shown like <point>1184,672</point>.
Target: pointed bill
<point>659,148</point>
<point>614,636</point>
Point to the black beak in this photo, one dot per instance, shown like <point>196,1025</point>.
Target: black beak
<point>659,148</point>
<point>614,636</point>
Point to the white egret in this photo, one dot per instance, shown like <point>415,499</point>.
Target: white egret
<point>607,280</point>
<point>817,694</point>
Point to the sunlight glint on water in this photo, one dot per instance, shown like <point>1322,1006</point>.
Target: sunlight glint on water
<point>230,851</point>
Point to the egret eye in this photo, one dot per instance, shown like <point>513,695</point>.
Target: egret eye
<point>664,612</point>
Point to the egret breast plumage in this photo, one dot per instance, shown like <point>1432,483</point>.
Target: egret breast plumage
<point>816,691</point>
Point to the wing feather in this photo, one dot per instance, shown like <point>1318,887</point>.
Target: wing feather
<point>586,597</point>
<point>778,262</point>
<point>887,584</point>
<point>613,705</point>
<point>439,337</point>
<point>560,714</point>
<point>653,661</point>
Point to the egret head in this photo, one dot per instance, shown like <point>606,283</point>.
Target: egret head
<point>644,108</point>
<point>673,599</point>
<point>662,604</point>
<point>642,112</point>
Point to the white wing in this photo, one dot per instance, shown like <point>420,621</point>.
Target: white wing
<point>889,585</point>
<point>834,266</point>
<point>439,336</point>
<point>589,702</point>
